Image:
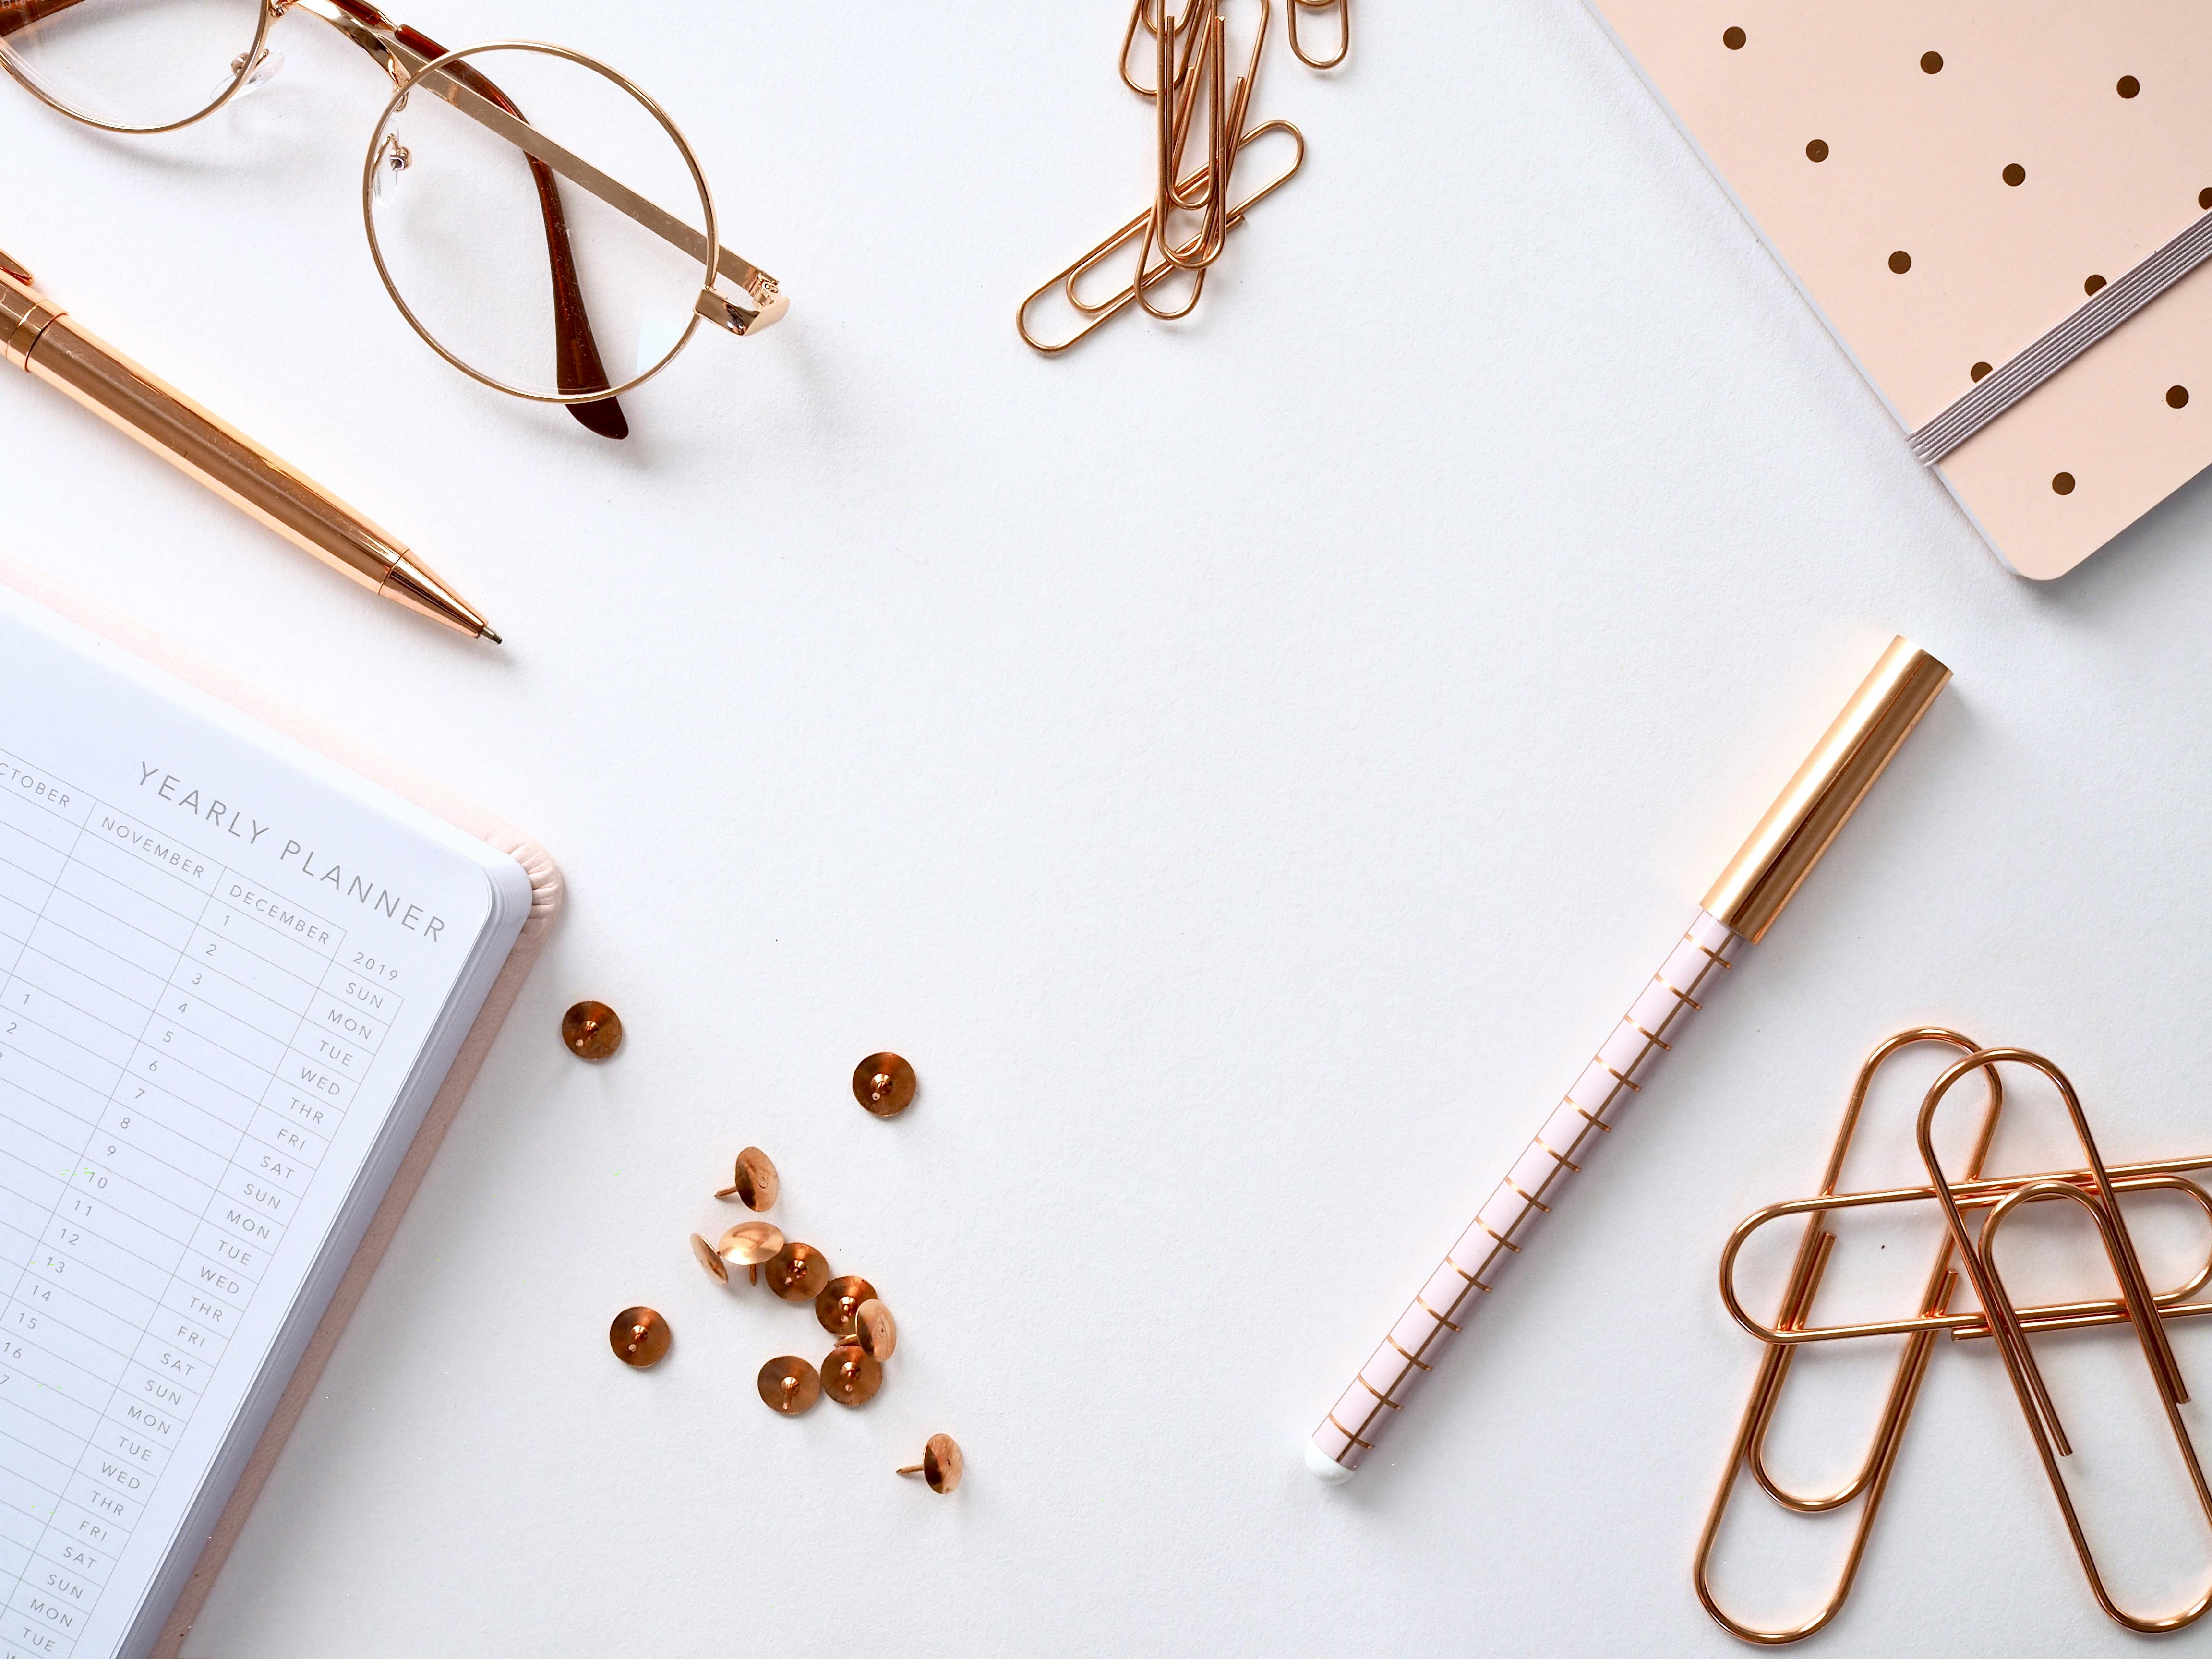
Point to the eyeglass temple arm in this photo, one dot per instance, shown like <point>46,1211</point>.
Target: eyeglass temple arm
<point>770,305</point>
<point>578,366</point>
<point>22,14</point>
<point>384,41</point>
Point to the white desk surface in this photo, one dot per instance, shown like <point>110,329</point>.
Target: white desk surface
<point>1245,766</point>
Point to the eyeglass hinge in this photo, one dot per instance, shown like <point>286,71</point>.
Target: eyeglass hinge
<point>740,318</point>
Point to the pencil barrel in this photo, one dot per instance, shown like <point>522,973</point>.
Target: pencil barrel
<point>1471,1270</point>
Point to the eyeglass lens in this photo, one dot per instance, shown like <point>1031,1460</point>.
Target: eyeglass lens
<point>131,63</point>
<point>486,247</point>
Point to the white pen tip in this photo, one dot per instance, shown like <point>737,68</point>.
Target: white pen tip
<point>1320,1463</point>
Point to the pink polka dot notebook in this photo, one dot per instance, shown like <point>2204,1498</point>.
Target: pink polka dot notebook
<point>2001,211</point>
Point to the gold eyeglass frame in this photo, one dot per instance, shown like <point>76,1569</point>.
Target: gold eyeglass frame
<point>534,144</point>
<point>412,70</point>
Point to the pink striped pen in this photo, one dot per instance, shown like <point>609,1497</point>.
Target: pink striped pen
<point>1742,906</point>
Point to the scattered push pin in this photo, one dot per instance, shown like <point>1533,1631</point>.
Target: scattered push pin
<point>755,1184</point>
<point>849,1377</point>
<point>797,1273</point>
<point>875,1333</point>
<point>839,1300</point>
<point>592,1029</point>
<point>884,1083</point>
<point>941,1464</point>
<point>789,1385</point>
<point>639,1337</point>
<point>746,1245</point>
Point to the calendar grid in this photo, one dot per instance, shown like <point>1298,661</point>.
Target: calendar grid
<point>195,1060</point>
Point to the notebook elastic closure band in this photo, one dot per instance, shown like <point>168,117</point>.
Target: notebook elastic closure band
<point>2104,311</point>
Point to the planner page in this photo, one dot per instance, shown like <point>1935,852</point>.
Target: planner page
<point>231,976</point>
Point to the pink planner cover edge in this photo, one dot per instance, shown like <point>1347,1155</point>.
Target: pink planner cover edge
<point>2112,435</point>
<point>545,886</point>
<point>1688,136</point>
<point>1789,272</point>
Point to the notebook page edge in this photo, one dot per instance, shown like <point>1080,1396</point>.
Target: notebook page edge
<point>509,887</point>
<point>511,896</point>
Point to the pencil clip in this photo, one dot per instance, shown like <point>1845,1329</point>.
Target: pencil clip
<point>1344,31</point>
<point>1813,1251</point>
<point>2092,1188</point>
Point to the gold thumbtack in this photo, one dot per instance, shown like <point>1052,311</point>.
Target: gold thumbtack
<point>875,1333</point>
<point>755,1184</point>
<point>789,1385</point>
<point>884,1083</point>
<point>746,1245</point>
<point>592,1029</point>
<point>639,1337</point>
<point>941,1463</point>
<point>849,1377</point>
<point>835,1305</point>
<point>797,1273</point>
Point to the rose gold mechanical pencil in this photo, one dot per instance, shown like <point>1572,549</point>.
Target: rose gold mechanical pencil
<point>1742,906</point>
<point>37,336</point>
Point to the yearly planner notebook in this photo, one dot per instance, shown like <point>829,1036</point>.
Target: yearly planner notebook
<point>233,975</point>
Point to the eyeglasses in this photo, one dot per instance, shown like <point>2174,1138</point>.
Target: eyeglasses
<point>473,236</point>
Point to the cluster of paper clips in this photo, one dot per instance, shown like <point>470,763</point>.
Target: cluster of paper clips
<point>2095,1188</point>
<point>1202,129</point>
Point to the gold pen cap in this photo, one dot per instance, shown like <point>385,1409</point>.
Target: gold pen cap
<point>1826,790</point>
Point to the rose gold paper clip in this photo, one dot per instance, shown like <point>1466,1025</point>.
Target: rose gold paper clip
<point>2095,1186</point>
<point>1814,1250</point>
<point>1197,106</point>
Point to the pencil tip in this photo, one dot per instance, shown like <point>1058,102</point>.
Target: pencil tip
<point>493,635</point>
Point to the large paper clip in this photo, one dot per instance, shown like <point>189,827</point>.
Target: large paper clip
<point>2095,1186</point>
<point>1804,1282</point>
<point>2099,1197</point>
